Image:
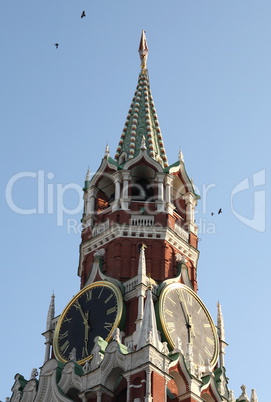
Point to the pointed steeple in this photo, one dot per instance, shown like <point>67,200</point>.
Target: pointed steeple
<point>51,313</point>
<point>221,335</point>
<point>48,334</point>
<point>148,333</point>
<point>142,122</point>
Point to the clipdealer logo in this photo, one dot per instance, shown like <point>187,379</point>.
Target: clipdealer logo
<point>50,196</point>
<point>53,198</point>
<point>253,187</point>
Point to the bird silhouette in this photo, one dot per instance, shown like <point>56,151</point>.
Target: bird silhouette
<point>83,14</point>
<point>56,45</point>
<point>220,211</point>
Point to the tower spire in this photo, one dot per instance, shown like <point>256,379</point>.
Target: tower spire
<point>148,332</point>
<point>48,334</point>
<point>143,51</point>
<point>142,129</point>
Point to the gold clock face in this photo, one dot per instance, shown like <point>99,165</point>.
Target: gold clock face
<point>185,319</point>
<point>95,311</point>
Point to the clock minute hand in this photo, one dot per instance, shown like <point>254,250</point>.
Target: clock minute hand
<point>78,306</point>
<point>187,318</point>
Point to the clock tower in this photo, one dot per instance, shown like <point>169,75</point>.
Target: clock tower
<point>137,330</point>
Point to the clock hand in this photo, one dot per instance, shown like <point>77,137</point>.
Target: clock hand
<point>78,306</point>
<point>87,327</point>
<point>187,317</point>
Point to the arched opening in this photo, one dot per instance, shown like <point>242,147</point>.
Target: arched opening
<point>73,394</point>
<point>207,397</point>
<point>142,183</point>
<point>106,193</point>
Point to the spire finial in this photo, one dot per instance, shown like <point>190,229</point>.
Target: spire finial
<point>143,51</point>
<point>106,152</point>
<point>88,174</point>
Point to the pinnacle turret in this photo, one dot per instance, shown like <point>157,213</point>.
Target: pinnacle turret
<point>142,125</point>
<point>221,335</point>
<point>148,333</point>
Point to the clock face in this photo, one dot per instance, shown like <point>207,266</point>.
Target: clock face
<point>184,318</point>
<point>95,311</point>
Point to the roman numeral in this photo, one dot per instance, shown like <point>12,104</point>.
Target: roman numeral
<point>201,359</point>
<point>208,351</point>
<point>169,312</point>
<point>89,295</point>
<point>66,319</point>
<point>62,336</point>
<point>77,305</point>
<point>111,310</point>
<point>180,294</point>
<point>108,326</point>
<point>189,299</point>
<point>211,341</point>
<point>100,293</point>
<point>171,327</point>
<point>107,300</point>
<point>172,301</point>
<point>64,347</point>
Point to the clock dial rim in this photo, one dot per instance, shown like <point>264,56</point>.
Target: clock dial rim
<point>119,303</point>
<point>208,316</point>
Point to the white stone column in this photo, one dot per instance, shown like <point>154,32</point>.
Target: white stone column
<point>99,395</point>
<point>128,389</point>
<point>117,181</point>
<point>125,190</point>
<point>190,203</point>
<point>148,397</point>
<point>90,206</point>
<point>160,202</point>
<point>168,185</point>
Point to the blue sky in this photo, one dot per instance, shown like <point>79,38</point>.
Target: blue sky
<point>209,65</point>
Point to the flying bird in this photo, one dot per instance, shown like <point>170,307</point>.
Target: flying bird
<point>83,14</point>
<point>220,211</point>
<point>56,45</point>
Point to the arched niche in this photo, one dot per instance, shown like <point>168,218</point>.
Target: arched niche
<point>114,379</point>
<point>207,397</point>
<point>106,192</point>
<point>177,384</point>
<point>142,183</point>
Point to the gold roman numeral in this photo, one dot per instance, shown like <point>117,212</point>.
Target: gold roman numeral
<point>66,319</point>
<point>172,301</point>
<point>100,293</point>
<point>171,327</point>
<point>109,297</point>
<point>108,326</point>
<point>189,299</point>
<point>208,351</point>
<point>211,341</point>
<point>77,304</point>
<point>111,310</point>
<point>62,336</point>
<point>169,312</point>
<point>64,347</point>
<point>89,295</point>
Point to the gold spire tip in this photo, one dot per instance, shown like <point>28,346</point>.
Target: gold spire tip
<point>143,51</point>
